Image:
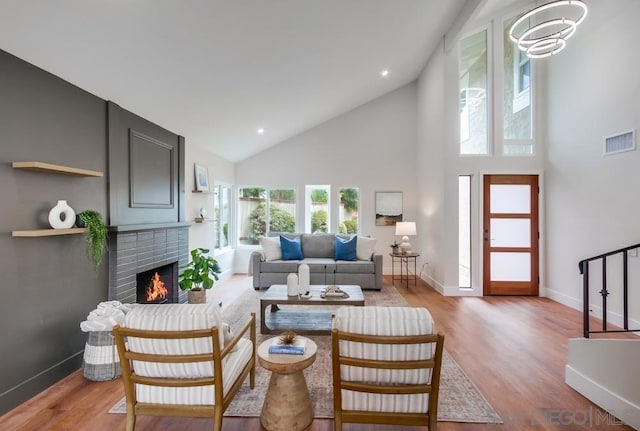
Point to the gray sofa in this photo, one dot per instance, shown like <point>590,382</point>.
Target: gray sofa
<point>319,253</point>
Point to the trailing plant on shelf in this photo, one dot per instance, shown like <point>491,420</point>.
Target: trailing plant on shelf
<point>200,273</point>
<point>95,235</point>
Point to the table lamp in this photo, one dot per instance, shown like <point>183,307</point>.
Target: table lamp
<point>405,228</point>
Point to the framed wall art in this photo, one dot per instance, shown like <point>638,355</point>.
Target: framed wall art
<point>388,208</point>
<point>202,178</point>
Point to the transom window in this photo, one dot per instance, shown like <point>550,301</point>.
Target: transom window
<point>474,139</point>
<point>479,99</point>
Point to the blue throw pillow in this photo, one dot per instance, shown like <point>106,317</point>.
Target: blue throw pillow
<point>291,248</point>
<point>346,248</point>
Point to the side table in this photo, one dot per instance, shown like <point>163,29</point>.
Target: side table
<point>287,404</point>
<point>404,259</point>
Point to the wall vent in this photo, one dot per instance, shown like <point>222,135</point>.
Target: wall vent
<point>620,143</point>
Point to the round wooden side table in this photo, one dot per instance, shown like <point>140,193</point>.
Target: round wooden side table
<point>287,404</point>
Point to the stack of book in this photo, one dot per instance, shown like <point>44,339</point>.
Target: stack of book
<point>295,348</point>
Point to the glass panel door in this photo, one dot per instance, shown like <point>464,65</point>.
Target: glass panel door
<point>510,235</point>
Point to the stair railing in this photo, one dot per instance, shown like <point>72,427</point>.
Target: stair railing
<point>604,292</point>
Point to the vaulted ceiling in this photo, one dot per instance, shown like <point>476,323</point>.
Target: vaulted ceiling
<point>216,71</point>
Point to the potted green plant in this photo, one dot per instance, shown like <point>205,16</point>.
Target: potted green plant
<point>199,275</point>
<point>95,235</point>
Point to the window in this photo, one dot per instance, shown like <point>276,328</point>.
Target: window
<point>349,206</point>
<point>507,107</point>
<point>464,231</point>
<point>474,139</point>
<point>517,120</point>
<point>222,215</point>
<point>317,209</point>
<point>262,210</point>
<point>522,75</point>
<point>282,210</point>
<point>251,215</point>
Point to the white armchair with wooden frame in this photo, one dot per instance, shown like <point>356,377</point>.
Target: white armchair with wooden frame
<point>386,366</point>
<point>176,362</point>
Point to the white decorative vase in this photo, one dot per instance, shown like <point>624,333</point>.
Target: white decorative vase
<point>62,216</point>
<point>292,284</point>
<point>303,278</point>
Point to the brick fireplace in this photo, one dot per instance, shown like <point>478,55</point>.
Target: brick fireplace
<point>138,249</point>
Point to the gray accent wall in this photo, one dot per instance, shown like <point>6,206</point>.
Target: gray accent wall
<point>48,284</point>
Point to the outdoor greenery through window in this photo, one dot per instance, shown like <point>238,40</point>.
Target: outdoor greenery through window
<point>282,210</point>
<point>349,209</point>
<point>317,209</point>
<point>259,208</point>
<point>222,215</point>
<point>473,79</point>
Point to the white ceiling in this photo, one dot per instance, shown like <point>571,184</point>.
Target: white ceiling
<point>215,71</point>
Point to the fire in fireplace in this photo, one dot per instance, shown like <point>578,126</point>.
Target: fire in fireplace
<point>158,285</point>
<point>156,290</point>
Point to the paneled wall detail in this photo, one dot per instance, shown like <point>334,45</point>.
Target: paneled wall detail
<point>151,172</point>
<point>146,170</point>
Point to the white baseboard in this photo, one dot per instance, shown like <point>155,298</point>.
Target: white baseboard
<point>615,405</point>
<point>437,286</point>
<point>564,299</point>
<point>448,290</point>
<point>612,317</point>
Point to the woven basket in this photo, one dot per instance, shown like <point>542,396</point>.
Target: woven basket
<point>101,361</point>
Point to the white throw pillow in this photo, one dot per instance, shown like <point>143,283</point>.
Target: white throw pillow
<point>365,247</point>
<point>271,248</point>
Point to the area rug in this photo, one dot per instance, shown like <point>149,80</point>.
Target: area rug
<point>459,400</point>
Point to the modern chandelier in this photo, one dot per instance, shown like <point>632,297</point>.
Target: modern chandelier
<point>548,37</point>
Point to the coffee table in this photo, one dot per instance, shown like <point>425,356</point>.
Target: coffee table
<point>302,321</point>
<point>287,404</point>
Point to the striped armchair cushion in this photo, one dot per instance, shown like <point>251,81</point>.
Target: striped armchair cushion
<point>161,317</point>
<point>231,368</point>
<point>396,321</point>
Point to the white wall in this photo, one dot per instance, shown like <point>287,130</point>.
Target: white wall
<point>614,386</point>
<point>220,171</point>
<point>372,147</point>
<point>441,164</point>
<point>432,132</point>
<point>592,203</point>
<point>408,140</point>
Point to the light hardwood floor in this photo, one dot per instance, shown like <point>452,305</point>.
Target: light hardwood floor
<point>513,348</point>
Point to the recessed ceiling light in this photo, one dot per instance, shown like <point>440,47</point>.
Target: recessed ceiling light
<point>260,131</point>
<point>384,73</point>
